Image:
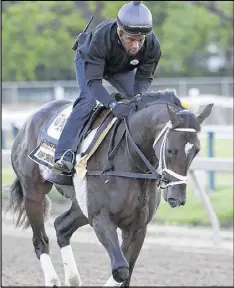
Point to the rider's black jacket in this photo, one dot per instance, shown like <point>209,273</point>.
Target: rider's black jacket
<point>104,54</point>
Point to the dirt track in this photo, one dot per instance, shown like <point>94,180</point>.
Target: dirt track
<point>163,261</point>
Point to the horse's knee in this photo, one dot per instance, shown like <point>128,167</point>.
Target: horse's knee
<point>63,237</point>
<point>60,225</point>
<point>66,224</point>
<point>57,223</point>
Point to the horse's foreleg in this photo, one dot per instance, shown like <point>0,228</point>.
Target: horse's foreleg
<point>106,232</point>
<point>131,249</point>
<point>34,206</point>
<point>65,225</point>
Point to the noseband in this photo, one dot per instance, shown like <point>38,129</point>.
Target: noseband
<point>162,166</point>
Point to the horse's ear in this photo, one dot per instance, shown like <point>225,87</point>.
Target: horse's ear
<point>176,120</point>
<point>205,113</point>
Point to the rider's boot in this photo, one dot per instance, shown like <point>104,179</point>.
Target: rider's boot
<point>65,163</point>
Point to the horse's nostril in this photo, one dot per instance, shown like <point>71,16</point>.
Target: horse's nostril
<point>173,202</point>
<point>169,151</point>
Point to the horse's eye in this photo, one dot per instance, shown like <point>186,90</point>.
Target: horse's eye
<point>197,151</point>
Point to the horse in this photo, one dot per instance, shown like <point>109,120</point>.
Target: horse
<point>139,157</point>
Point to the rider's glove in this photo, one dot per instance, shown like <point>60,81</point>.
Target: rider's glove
<point>120,109</point>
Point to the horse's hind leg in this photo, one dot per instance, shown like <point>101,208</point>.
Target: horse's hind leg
<point>106,232</point>
<point>131,247</point>
<point>65,225</point>
<point>34,197</point>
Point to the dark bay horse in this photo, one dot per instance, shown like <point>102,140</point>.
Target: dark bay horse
<point>154,150</point>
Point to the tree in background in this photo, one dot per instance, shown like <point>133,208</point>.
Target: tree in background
<point>37,36</point>
<point>186,30</point>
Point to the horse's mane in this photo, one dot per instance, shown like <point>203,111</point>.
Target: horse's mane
<point>168,96</point>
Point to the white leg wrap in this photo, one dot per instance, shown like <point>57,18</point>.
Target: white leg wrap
<point>72,277</point>
<point>51,277</point>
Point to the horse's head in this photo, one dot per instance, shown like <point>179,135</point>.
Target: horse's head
<point>175,147</point>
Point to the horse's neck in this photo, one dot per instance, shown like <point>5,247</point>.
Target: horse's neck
<point>144,126</point>
<point>142,133</point>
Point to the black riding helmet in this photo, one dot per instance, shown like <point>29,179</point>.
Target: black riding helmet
<point>135,18</point>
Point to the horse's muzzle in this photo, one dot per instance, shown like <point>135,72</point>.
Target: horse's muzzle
<point>174,202</point>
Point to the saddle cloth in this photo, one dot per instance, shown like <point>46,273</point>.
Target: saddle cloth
<point>54,128</point>
<point>43,154</point>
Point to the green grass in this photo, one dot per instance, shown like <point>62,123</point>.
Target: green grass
<point>222,148</point>
<point>8,176</point>
<point>193,212</point>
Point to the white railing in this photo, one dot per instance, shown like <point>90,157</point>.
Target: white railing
<point>37,91</point>
<point>223,165</point>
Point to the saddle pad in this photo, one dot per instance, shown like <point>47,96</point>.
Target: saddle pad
<point>53,129</point>
<point>44,152</point>
<point>44,156</point>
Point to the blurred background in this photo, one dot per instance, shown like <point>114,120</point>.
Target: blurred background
<point>197,60</point>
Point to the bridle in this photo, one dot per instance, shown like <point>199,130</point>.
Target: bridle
<point>162,166</point>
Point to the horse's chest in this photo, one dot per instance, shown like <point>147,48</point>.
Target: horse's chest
<point>143,215</point>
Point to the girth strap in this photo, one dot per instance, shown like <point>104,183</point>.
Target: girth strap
<point>154,176</point>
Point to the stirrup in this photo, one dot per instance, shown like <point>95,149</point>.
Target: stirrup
<point>62,165</point>
<point>60,168</point>
<point>73,156</point>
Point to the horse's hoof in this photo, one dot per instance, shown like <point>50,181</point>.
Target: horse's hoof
<point>53,283</point>
<point>73,281</point>
<point>121,274</point>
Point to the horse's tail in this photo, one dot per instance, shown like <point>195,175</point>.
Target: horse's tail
<point>16,204</point>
